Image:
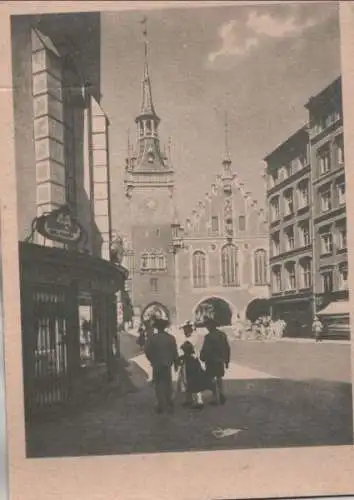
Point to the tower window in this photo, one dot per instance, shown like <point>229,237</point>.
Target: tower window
<point>215,224</point>
<point>154,285</point>
<point>242,223</point>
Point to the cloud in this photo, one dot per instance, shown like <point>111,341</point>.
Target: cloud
<point>231,42</point>
<point>238,38</point>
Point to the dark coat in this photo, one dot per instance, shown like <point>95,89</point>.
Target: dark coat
<point>161,350</point>
<point>196,378</point>
<point>215,353</point>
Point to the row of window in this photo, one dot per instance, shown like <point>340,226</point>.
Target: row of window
<point>303,238</point>
<point>293,276</point>
<point>331,196</point>
<point>229,267</point>
<point>328,237</point>
<point>288,200</point>
<point>153,261</point>
<point>324,122</point>
<point>289,242</point>
<point>286,171</point>
<point>215,224</point>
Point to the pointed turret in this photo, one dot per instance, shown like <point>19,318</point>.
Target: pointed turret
<point>147,157</point>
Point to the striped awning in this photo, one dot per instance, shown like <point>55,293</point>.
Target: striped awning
<point>335,308</point>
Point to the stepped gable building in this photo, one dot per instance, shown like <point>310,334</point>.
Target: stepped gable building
<point>222,256</point>
<point>149,190</point>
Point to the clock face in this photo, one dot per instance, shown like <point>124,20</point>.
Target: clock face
<point>151,204</point>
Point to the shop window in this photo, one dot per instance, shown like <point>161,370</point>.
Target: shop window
<point>199,269</point>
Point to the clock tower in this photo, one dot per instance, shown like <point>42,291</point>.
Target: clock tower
<point>149,190</point>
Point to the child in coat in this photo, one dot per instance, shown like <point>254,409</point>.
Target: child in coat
<point>194,377</point>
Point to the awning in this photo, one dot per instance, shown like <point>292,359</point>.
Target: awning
<point>339,307</point>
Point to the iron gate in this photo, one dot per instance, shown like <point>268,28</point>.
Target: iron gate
<point>53,315</point>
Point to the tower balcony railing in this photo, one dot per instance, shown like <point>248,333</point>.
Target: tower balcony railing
<point>149,178</point>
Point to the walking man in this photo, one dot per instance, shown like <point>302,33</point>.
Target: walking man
<point>161,351</point>
<point>216,355</point>
<point>317,329</point>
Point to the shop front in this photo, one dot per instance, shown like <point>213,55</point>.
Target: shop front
<point>297,312</point>
<point>69,321</point>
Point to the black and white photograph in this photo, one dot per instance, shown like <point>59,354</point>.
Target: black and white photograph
<point>182,229</point>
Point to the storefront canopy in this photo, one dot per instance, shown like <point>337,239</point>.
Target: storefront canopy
<point>335,308</point>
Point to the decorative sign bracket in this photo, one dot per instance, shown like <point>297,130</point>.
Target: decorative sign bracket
<point>59,225</point>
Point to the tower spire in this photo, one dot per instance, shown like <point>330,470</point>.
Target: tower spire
<point>147,106</point>
<point>227,158</point>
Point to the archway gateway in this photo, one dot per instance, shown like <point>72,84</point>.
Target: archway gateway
<point>155,309</point>
<point>257,308</point>
<point>221,311</point>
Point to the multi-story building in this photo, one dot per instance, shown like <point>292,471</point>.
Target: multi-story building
<point>306,202</point>
<point>289,200</point>
<point>149,190</point>
<point>329,208</point>
<point>222,254</point>
<point>68,284</point>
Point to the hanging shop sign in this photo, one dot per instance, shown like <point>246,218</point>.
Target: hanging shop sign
<point>59,225</point>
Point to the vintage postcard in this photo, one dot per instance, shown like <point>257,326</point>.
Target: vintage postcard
<point>175,249</point>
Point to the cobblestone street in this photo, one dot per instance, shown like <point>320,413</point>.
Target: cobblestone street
<point>270,404</point>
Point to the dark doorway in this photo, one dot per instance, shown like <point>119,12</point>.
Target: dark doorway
<point>221,309</point>
<point>257,308</point>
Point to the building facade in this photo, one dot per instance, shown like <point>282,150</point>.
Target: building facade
<point>308,235</point>
<point>68,284</point>
<point>222,253</point>
<point>329,208</point>
<point>290,228</point>
<point>149,190</point>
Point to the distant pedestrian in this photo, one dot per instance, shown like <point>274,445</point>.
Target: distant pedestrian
<point>216,355</point>
<point>161,351</point>
<point>141,337</point>
<point>317,329</point>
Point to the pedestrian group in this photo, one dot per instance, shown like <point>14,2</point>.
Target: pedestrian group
<point>196,372</point>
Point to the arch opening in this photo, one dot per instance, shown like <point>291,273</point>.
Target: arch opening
<point>155,309</point>
<point>257,308</point>
<point>221,310</point>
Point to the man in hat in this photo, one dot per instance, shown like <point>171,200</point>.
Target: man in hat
<point>317,329</point>
<point>161,351</point>
<point>216,355</point>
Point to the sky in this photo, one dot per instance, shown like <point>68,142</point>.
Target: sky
<point>260,63</point>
